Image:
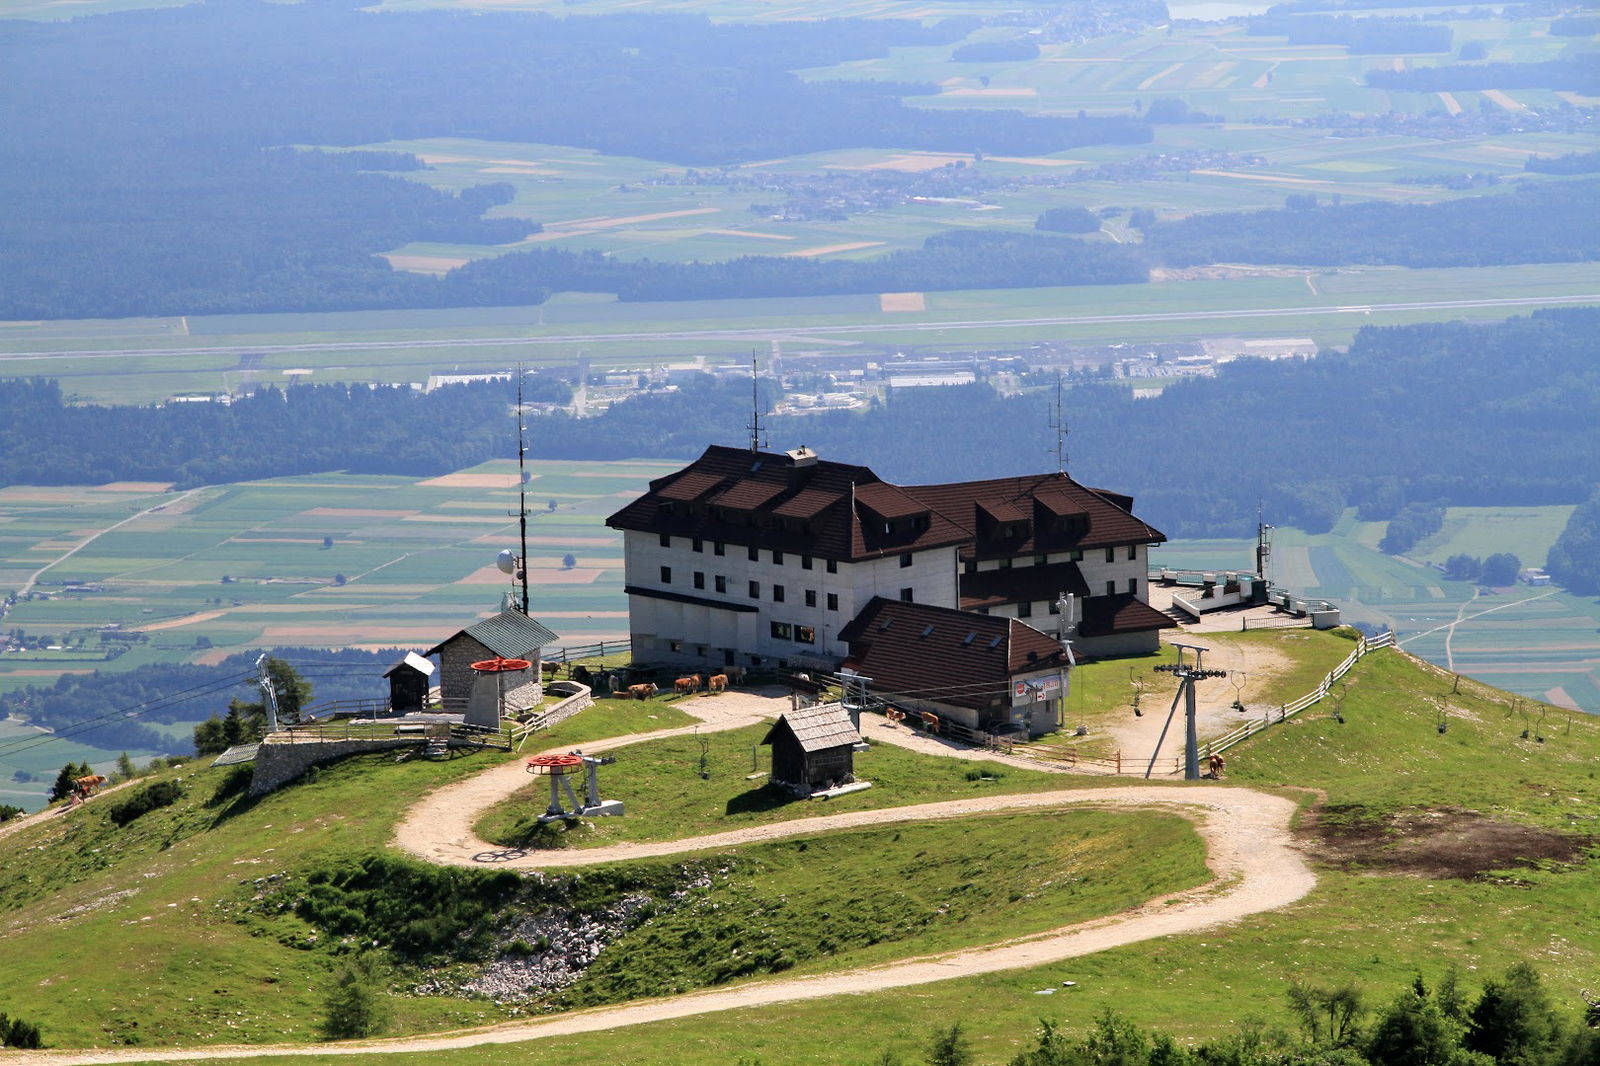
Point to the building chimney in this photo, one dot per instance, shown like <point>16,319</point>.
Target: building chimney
<point>802,456</point>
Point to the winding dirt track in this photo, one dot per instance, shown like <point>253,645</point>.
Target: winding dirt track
<point>1250,854</point>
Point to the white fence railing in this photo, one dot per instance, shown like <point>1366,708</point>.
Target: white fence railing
<point>1288,710</point>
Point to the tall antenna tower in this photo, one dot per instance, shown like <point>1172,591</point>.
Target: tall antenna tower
<point>522,492</point>
<point>758,432</point>
<point>1263,544</point>
<point>1058,422</point>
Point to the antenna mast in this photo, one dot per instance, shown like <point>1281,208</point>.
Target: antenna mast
<point>522,492</point>
<point>758,432</point>
<point>1058,422</point>
<point>1263,543</point>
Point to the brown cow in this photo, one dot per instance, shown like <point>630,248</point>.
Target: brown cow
<point>687,684</point>
<point>643,692</point>
<point>718,682</point>
<point>1216,764</point>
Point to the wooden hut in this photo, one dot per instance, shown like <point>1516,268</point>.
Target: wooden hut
<point>813,748</point>
<point>409,680</point>
<point>510,635</point>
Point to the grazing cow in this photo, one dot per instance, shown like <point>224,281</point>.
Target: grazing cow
<point>549,668</point>
<point>735,674</point>
<point>930,721</point>
<point>687,684</point>
<point>1216,764</point>
<point>718,682</point>
<point>644,691</point>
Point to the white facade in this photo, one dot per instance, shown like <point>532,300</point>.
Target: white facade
<point>800,602</point>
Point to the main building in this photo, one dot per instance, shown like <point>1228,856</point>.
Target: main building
<point>757,558</point>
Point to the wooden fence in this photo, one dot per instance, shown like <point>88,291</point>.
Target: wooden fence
<point>1288,710</point>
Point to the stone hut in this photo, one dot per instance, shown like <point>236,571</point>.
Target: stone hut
<point>509,634</point>
<point>813,748</point>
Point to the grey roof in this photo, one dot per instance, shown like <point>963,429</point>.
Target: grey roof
<point>817,728</point>
<point>416,662</point>
<point>509,634</point>
<point>239,753</point>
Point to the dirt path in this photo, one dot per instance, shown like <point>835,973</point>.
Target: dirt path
<point>1254,865</point>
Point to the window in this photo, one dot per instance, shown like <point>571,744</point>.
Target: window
<point>777,557</point>
<point>833,567</point>
<point>755,660</point>
<point>755,590</point>
<point>666,575</point>
<point>718,548</point>
<point>805,562</point>
<point>833,601</point>
<point>1040,559</point>
<point>1111,588</point>
<point>969,568</point>
<point>905,560</point>
<point>1133,552</point>
<point>755,554</point>
<point>699,579</point>
<point>781,631</point>
<point>1133,585</point>
<point>1003,564</point>
<point>721,583</point>
<point>674,645</point>
<point>905,595</point>
<point>1111,555</point>
<point>700,650</point>
<point>777,594</point>
<point>805,635</point>
<point>1025,610</point>
<point>1055,606</point>
<point>1077,557</point>
<point>698,545</point>
<point>666,541</point>
<point>811,597</point>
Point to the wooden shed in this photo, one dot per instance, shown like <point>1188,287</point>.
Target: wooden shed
<point>813,748</point>
<point>509,634</point>
<point>409,680</point>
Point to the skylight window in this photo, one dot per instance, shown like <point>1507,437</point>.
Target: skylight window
<point>995,643</point>
<point>927,632</point>
<point>969,638</point>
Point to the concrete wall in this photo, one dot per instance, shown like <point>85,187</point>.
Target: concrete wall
<point>278,764</point>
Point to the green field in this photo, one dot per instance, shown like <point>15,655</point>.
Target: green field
<point>1541,643</point>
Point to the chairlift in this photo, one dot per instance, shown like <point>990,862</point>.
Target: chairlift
<point>1239,678</point>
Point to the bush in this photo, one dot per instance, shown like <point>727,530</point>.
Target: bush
<point>147,799</point>
<point>355,1004</point>
<point>14,1032</point>
<point>1068,220</point>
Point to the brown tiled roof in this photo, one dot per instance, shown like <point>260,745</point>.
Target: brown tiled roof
<point>921,651</point>
<point>821,508</point>
<point>1123,613</point>
<point>817,728</point>
<point>989,588</point>
<point>1047,503</point>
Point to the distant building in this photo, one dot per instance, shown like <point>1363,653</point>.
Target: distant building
<point>752,558</point>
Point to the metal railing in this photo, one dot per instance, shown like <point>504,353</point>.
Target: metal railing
<point>330,730</point>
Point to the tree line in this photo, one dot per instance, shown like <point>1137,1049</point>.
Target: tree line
<point>1438,414</point>
<point>1512,1021</point>
<point>1360,35</point>
<point>1579,73</point>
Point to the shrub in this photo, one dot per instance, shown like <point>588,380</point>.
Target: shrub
<point>355,1004</point>
<point>147,799</point>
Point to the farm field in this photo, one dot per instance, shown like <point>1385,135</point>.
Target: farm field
<point>221,353</point>
<point>1541,643</point>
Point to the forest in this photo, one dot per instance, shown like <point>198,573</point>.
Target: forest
<point>143,168</point>
<point>1430,415</point>
<point>89,707</point>
<point>1579,73</point>
<point>1550,222</point>
<point>1361,36</point>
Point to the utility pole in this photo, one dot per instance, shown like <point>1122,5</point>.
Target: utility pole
<point>1066,630</point>
<point>1187,674</point>
<point>269,695</point>
<point>758,432</point>
<point>522,492</point>
<point>1058,422</point>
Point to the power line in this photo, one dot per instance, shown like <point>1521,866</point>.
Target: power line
<point>138,710</point>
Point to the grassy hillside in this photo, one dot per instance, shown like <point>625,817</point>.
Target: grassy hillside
<point>1474,847</point>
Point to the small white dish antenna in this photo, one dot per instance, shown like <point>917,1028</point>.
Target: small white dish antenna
<point>506,561</point>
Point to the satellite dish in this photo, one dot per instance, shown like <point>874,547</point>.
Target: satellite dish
<point>506,561</point>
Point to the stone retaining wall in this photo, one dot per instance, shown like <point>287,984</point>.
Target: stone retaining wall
<point>278,764</point>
